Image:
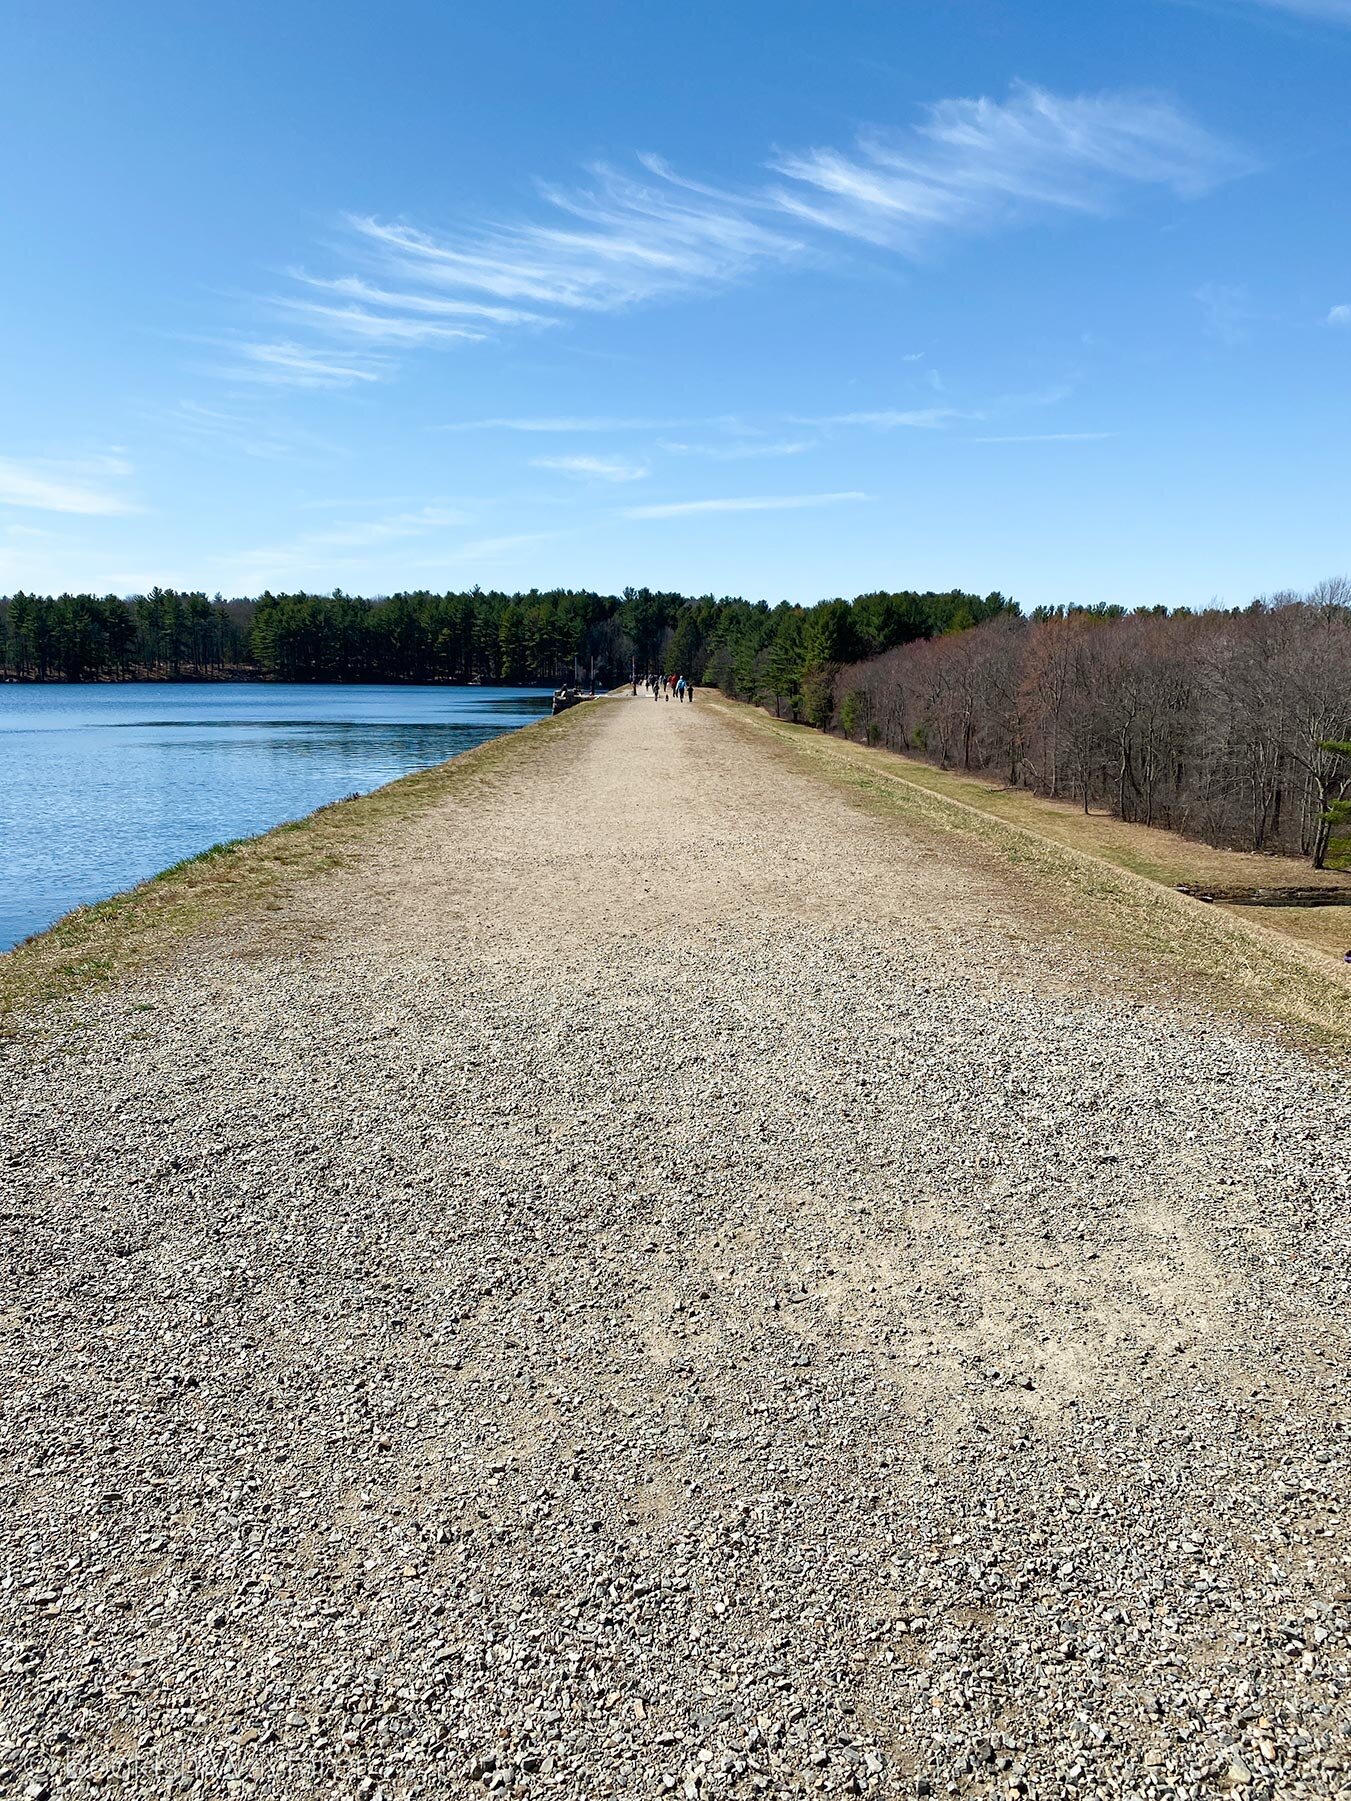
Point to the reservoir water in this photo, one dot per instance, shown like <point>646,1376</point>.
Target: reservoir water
<point>103,785</point>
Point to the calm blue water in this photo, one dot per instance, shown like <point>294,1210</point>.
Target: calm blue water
<point>102,786</point>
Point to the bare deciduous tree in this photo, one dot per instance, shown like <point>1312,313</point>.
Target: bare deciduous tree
<point>1220,724</point>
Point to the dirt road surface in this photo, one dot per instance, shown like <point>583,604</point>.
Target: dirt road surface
<point>664,1280</point>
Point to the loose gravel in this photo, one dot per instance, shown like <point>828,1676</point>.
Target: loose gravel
<point>660,1283</point>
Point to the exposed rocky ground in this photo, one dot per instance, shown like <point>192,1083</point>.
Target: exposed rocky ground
<point>657,1286</point>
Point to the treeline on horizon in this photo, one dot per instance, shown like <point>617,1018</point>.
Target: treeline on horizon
<point>478,636</point>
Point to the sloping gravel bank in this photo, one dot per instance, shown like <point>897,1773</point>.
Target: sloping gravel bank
<point>671,1292</point>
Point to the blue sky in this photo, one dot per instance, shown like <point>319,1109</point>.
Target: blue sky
<point>785,300</point>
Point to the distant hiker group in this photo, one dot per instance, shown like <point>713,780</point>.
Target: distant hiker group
<point>681,686</point>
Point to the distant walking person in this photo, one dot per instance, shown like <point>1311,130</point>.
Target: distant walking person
<point>689,689</point>
<point>680,689</point>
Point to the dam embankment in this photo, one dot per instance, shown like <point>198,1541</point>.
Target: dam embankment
<point>650,1269</point>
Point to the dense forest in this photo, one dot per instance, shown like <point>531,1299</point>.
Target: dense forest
<point>476,636</point>
<point>173,635</point>
<point>1230,727</point>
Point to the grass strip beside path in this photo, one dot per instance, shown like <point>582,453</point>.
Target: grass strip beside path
<point>238,883</point>
<point>1231,962</point>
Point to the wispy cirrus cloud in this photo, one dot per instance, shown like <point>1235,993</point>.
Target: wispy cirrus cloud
<point>289,365</point>
<point>65,487</point>
<point>767,503</point>
<point>345,542</point>
<point>976,165</point>
<point>624,238</point>
<point>1327,12</point>
<point>564,423</point>
<point>265,439</point>
<point>609,469</point>
<point>618,241</point>
<point>740,443</point>
<point>742,451</point>
<point>365,550</point>
<point>353,288</point>
<point>380,327</point>
<point>926,418</point>
<point>1047,437</point>
<point>364,533</point>
<point>479,550</point>
<point>1340,316</point>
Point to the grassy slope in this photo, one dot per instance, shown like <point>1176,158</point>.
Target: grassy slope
<point>238,884</point>
<point>1150,851</point>
<point>1116,894</point>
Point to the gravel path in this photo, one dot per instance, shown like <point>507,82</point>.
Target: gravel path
<point>667,1285</point>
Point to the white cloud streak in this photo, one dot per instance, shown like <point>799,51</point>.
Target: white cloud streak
<point>240,431</point>
<point>63,487</point>
<point>343,544</point>
<point>1327,12</point>
<point>372,552</point>
<point>622,240</point>
<point>609,469</point>
<point>742,452</point>
<point>288,365</point>
<point>975,165</point>
<point>926,418</point>
<point>1047,437</point>
<point>369,532</point>
<point>380,328</point>
<point>564,424</point>
<point>966,166</point>
<point>351,287</point>
<point>489,549</point>
<point>1340,316</point>
<point>777,503</point>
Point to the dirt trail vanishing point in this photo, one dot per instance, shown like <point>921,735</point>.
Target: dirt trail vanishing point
<point>659,1281</point>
